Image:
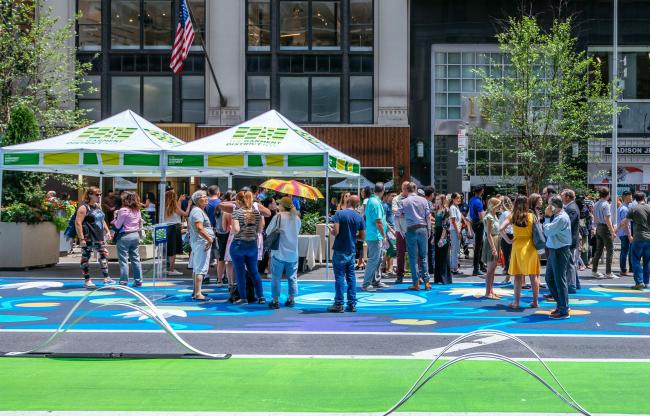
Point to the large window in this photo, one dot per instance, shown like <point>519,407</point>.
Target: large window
<point>259,25</point>
<point>310,24</point>
<point>131,70</point>
<point>296,61</point>
<point>361,28</point>
<point>90,25</point>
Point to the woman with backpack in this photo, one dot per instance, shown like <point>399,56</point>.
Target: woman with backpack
<point>128,223</point>
<point>284,256</point>
<point>93,233</point>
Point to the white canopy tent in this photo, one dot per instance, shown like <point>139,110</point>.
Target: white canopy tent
<point>122,145</point>
<point>353,183</point>
<point>267,145</point>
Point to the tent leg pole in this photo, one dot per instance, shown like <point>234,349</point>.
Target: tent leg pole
<point>101,183</point>
<point>327,224</point>
<point>161,192</point>
<point>2,173</point>
<point>230,181</point>
<point>359,186</point>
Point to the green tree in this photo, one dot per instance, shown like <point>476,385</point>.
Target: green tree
<point>38,67</point>
<point>551,95</point>
<point>25,187</point>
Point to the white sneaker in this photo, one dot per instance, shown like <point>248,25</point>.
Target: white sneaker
<point>612,276</point>
<point>174,273</point>
<point>597,275</point>
<point>369,288</point>
<point>88,284</point>
<point>109,281</point>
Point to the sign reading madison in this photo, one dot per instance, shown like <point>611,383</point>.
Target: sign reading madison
<point>629,150</point>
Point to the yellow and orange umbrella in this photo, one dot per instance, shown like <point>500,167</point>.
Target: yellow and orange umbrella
<point>293,188</point>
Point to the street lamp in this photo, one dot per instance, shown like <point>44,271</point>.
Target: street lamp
<point>615,72</point>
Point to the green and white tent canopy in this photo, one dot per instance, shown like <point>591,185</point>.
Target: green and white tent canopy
<point>122,145</point>
<point>267,145</point>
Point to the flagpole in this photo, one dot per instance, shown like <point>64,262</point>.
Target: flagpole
<point>222,100</point>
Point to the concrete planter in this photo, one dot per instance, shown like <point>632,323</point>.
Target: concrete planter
<point>28,245</point>
<point>146,252</point>
<point>65,244</point>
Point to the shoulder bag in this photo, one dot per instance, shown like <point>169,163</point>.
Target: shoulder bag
<point>272,241</point>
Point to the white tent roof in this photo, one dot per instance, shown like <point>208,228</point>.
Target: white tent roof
<point>267,145</point>
<point>353,183</point>
<point>122,145</point>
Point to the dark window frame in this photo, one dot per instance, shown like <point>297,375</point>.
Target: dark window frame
<point>309,94</point>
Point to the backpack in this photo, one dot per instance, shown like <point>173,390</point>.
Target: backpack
<point>71,230</point>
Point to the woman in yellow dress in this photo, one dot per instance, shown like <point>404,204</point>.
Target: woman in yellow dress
<point>524,259</point>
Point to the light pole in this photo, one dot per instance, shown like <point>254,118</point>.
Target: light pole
<point>615,72</point>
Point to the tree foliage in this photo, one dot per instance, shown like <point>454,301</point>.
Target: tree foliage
<point>38,67</point>
<point>551,96</point>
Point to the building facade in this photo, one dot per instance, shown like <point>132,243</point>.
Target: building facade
<point>451,38</point>
<point>338,68</point>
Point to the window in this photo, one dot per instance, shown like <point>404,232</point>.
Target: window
<point>198,12</point>
<point>259,25</point>
<point>361,99</point>
<point>125,94</point>
<point>325,99</point>
<point>157,22</point>
<point>294,98</point>
<point>258,95</point>
<point>643,75</point>
<point>90,97</point>
<point>293,24</point>
<point>157,98</point>
<point>150,96</point>
<point>325,25</point>
<point>361,27</point>
<point>90,25</point>
<point>193,99</point>
<point>125,24</point>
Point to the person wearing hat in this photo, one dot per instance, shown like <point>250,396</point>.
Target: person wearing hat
<point>557,229</point>
<point>284,259</point>
<point>621,233</point>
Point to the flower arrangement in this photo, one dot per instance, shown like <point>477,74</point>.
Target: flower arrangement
<point>54,210</point>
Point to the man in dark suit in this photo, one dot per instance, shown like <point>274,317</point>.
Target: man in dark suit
<point>571,208</point>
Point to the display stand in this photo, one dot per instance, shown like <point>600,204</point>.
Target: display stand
<point>159,262</point>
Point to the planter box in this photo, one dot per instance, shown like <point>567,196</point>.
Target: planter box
<point>28,245</point>
<point>146,252</point>
<point>65,245</point>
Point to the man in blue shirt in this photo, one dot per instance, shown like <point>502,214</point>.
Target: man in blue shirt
<point>347,227</point>
<point>213,202</point>
<point>375,238</point>
<point>476,213</point>
<point>557,229</point>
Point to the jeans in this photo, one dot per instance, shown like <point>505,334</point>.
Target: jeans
<point>401,251</point>
<point>556,276</point>
<point>244,257</point>
<point>477,228</point>
<point>417,241</point>
<point>290,268</point>
<point>572,270</point>
<point>371,275</point>
<point>625,252</point>
<point>641,250</point>
<point>603,241</point>
<point>127,249</point>
<point>200,259</point>
<point>455,246</point>
<point>343,265</point>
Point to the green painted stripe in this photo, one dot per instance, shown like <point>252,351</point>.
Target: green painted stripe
<point>141,160</point>
<point>90,159</point>
<point>356,168</point>
<point>332,162</point>
<point>305,160</point>
<point>185,160</point>
<point>255,161</point>
<point>12,159</point>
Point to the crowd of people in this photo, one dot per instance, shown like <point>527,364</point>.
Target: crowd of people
<point>244,233</point>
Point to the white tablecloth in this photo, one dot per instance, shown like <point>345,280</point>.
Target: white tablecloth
<point>309,248</point>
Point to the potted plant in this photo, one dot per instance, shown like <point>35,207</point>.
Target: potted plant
<point>61,211</point>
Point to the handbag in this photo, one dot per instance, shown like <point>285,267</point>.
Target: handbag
<point>539,239</point>
<point>272,241</point>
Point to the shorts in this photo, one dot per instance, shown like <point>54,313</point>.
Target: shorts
<point>174,240</point>
<point>200,258</point>
<point>222,243</point>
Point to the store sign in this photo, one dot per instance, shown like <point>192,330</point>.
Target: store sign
<point>629,150</point>
<point>462,147</point>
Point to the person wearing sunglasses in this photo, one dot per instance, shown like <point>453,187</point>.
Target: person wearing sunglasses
<point>93,234</point>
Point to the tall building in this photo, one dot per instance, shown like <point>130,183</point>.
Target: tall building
<point>338,68</point>
<point>451,38</point>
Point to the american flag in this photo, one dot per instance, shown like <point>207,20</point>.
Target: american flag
<point>182,40</point>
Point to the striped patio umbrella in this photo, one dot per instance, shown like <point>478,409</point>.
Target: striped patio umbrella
<point>292,188</point>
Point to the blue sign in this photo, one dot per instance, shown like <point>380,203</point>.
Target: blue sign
<point>160,234</point>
